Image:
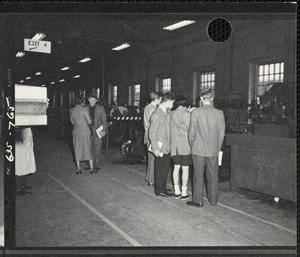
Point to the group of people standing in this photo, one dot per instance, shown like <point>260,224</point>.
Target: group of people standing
<point>189,136</point>
<point>89,128</point>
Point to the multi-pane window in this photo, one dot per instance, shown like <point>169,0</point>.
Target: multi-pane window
<point>269,73</point>
<point>98,92</point>
<point>207,80</point>
<point>166,85</point>
<point>115,94</point>
<point>137,94</point>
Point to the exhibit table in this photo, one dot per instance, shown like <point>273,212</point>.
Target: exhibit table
<point>264,164</point>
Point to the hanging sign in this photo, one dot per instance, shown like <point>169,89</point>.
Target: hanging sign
<point>37,46</point>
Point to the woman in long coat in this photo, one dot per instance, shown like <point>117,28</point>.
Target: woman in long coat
<point>180,148</point>
<point>80,118</point>
<point>25,161</point>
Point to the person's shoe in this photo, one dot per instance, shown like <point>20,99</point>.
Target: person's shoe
<point>150,184</point>
<point>194,204</point>
<point>169,190</point>
<point>78,171</point>
<point>177,196</point>
<point>93,171</point>
<point>166,194</point>
<point>185,197</point>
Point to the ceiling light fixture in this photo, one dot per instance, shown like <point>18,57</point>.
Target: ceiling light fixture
<point>20,54</point>
<point>39,36</point>
<point>62,80</point>
<point>77,76</point>
<point>179,25</point>
<point>65,68</point>
<point>121,47</point>
<point>28,78</point>
<point>87,59</point>
<point>52,83</point>
<point>38,73</point>
<point>21,81</point>
<point>43,85</point>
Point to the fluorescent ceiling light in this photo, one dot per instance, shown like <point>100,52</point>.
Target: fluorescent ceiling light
<point>28,78</point>
<point>62,80</point>
<point>179,25</point>
<point>39,36</point>
<point>87,59</point>
<point>43,85</point>
<point>52,83</point>
<point>20,54</point>
<point>77,76</point>
<point>65,68</point>
<point>121,47</point>
<point>21,81</point>
<point>38,73</point>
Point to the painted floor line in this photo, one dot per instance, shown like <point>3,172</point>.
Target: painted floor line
<point>231,208</point>
<point>186,211</point>
<point>101,216</point>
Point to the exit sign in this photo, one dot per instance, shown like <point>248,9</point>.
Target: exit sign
<point>37,46</point>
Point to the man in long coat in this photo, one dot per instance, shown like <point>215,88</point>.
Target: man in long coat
<point>98,116</point>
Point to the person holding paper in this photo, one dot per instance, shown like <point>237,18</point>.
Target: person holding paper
<point>149,109</point>
<point>81,133</point>
<point>206,134</point>
<point>159,135</point>
<point>98,128</point>
<point>180,148</point>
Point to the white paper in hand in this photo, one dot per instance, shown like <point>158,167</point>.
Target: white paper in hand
<point>159,145</point>
<point>220,158</point>
<point>98,130</point>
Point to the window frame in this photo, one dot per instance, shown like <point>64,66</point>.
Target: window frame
<point>135,94</point>
<point>168,85</point>
<point>260,85</point>
<point>115,94</point>
<point>211,82</point>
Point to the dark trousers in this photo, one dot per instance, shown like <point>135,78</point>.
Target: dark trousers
<point>211,179</point>
<point>161,171</point>
<point>96,143</point>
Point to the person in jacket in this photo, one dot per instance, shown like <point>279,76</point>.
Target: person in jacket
<point>180,148</point>
<point>149,109</point>
<point>99,121</point>
<point>159,135</point>
<point>80,118</point>
<point>206,134</point>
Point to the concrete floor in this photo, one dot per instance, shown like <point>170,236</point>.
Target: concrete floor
<point>117,208</point>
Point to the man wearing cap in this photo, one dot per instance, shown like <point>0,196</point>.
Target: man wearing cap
<point>206,134</point>
<point>98,117</point>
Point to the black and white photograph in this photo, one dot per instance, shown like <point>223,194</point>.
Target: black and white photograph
<point>152,129</point>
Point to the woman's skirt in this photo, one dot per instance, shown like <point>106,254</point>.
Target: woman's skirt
<point>82,147</point>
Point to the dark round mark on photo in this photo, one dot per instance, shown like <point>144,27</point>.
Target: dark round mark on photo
<point>219,29</point>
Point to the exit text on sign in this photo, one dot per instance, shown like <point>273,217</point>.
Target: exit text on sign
<point>37,46</point>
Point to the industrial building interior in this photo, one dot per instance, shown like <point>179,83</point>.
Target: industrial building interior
<point>116,207</point>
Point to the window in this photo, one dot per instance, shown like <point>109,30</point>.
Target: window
<point>136,95</point>
<point>207,80</point>
<point>269,73</point>
<point>166,85</point>
<point>98,92</point>
<point>115,94</point>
